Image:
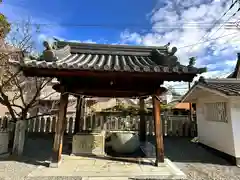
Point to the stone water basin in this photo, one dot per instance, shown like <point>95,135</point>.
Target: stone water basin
<point>124,142</point>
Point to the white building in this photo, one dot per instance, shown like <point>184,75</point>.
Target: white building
<point>218,114</point>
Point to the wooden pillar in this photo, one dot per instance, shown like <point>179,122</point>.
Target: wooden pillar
<point>142,128</point>
<point>190,105</point>
<point>78,115</point>
<point>83,114</point>
<point>61,126</point>
<point>158,129</point>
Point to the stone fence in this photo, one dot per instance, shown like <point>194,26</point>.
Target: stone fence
<point>172,125</point>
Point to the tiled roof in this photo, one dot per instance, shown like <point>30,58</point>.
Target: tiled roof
<point>124,58</point>
<point>228,86</point>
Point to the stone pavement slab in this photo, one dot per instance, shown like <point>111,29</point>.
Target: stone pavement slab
<point>94,168</point>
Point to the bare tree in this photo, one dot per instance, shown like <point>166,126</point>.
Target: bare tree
<point>18,93</point>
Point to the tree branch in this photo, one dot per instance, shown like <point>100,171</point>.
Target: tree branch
<point>17,106</point>
<point>7,104</point>
<point>37,94</point>
<point>21,94</point>
<point>45,97</point>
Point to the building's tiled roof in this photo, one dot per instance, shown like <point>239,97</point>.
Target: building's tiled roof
<point>228,86</point>
<point>124,58</point>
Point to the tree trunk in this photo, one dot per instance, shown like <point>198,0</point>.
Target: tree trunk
<point>19,137</point>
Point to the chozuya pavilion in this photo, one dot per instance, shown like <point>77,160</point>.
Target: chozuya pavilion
<point>109,71</point>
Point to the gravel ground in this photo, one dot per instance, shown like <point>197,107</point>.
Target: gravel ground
<point>197,171</point>
<point>195,161</point>
<point>15,170</point>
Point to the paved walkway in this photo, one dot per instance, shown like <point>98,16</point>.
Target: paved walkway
<point>90,168</point>
<point>106,167</point>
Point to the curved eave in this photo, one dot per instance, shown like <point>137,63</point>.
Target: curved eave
<point>65,73</point>
<point>108,63</point>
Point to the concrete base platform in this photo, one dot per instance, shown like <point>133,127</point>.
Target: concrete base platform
<point>114,168</point>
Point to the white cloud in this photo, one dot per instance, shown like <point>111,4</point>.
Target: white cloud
<point>89,41</point>
<point>183,23</point>
<point>127,36</point>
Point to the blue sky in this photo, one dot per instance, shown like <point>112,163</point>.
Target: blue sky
<point>145,22</point>
<point>113,16</point>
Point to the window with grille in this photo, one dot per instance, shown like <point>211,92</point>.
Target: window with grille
<point>216,111</point>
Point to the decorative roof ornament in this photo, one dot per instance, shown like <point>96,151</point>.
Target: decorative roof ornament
<point>173,51</point>
<point>48,53</point>
<point>52,54</point>
<point>167,45</point>
<point>166,58</point>
<point>202,79</point>
<point>56,39</point>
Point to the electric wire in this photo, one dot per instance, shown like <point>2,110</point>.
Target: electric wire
<point>215,23</point>
<point>208,40</point>
<point>225,22</point>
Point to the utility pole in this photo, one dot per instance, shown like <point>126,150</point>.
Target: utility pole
<point>192,62</point>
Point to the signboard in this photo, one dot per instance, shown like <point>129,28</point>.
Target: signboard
<point>91,144</point>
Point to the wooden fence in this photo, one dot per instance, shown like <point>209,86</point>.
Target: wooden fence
<point>172,125</point>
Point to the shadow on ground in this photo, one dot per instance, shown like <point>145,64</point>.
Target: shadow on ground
<point>181,149</point>
<point>37,151</point>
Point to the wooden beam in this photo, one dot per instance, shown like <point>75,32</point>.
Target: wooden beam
<point>110,84</point>
<point>102,92</point>
<point>158,128</point>
<point>114,94</point>
<point>61,126</point>
<point>142,129</point>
